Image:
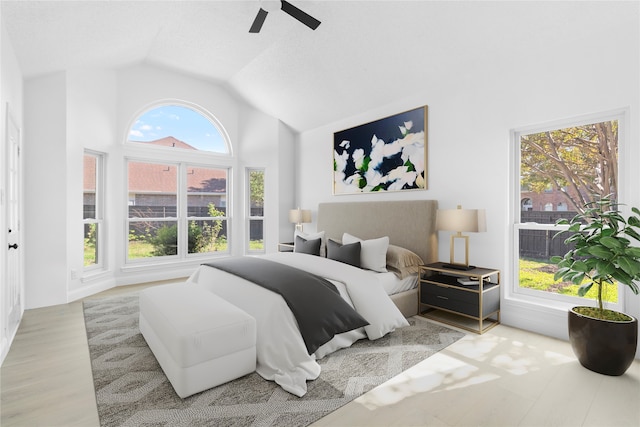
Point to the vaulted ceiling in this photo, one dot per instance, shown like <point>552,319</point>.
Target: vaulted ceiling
<point>364,54</point>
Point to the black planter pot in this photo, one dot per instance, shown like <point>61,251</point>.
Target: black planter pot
<point>603,346</point>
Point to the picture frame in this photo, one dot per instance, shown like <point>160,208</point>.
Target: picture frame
<point>389,154</point>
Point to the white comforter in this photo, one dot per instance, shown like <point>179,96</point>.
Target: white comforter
<point>281,352</point>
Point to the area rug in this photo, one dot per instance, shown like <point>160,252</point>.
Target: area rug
<point>132,390</point>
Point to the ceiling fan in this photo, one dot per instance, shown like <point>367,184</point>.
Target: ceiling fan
<point>289,9</point>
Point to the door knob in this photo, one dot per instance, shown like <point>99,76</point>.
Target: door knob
<point>14,246</point>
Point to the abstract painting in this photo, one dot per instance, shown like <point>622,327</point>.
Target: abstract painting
<point>389,154</point>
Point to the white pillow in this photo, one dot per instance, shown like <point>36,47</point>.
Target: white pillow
<point>373,252</point>
<point>307,236</point>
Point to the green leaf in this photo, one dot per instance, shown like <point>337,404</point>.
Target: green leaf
<point>622,277</point>
<point>600,252</point>
<point>574,227</point>
<point>365,164</point>
<point>633,251</point>
<point>560,273</point>
<point>410,166</point>
<point>582,290</point>
<point>629,265</point>
<point>577,279</point>
<point>605,268</point>
<point>556,259</point>
<point>632,233</point>
<point>580,266</point>
<point>610,242</point>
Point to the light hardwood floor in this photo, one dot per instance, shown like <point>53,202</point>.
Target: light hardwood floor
<point>505,377</point>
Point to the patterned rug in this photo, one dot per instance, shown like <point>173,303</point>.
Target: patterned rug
<point>132,390</point>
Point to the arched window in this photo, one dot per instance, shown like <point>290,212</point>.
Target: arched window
<point>181,127</point>
<point>178,167</point>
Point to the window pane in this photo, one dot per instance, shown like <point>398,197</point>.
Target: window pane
<point>560,170</point>
<point>90,244</point>
<point>206,192</point>
<point>536,271</point>
<point>208,236</point>
<point>256,239</point>
<point>89,186</point>
<point>256,192</point>
<point>92,208</point>
<point>152,238</point>
<point>152,190</point>
<point>178,127</point>
<point>256,210</point>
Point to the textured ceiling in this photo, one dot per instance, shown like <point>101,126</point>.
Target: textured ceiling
<point>364,54</point>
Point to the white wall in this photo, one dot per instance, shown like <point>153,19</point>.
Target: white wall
<point>91,124</point>
<point>45,160</point>
<point>471,112</point>
<point>266,142</point>
<point>93,109</point>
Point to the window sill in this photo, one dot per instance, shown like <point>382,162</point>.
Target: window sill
<point>95,275</point>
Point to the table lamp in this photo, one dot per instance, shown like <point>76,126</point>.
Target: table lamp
<point>299,217</point>
<point>460,220</point>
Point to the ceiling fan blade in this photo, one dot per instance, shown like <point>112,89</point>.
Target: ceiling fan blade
<point>301,16</point>
<point>257,23</point>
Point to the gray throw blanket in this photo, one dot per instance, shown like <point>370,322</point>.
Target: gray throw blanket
<point>315,302</point>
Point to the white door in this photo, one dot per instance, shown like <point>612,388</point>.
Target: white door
<point>13,277</point>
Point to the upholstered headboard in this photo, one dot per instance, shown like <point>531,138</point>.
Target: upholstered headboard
<point>410,223</point>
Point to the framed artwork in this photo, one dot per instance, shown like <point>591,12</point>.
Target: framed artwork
<point>389,154</point>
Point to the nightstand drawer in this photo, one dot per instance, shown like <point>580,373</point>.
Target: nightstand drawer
<point>450,298</point>
<point>449,293</point>
<point>441,297</point>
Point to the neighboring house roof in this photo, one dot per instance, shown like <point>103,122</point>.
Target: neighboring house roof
<point>151,178</point>
<point>167,141</point>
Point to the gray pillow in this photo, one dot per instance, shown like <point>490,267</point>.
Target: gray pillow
<point>349,254</point>
<point>304,246</point>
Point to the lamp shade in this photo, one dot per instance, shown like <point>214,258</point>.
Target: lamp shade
<point>467,220</point>
<point>300,216</point>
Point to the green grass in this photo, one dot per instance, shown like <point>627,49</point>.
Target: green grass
<point>89,254</point>
<point>140,249</point>
<point>256,245</point>
<point>538,275</point>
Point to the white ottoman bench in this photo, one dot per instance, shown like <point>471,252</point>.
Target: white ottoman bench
<point>199,339</point>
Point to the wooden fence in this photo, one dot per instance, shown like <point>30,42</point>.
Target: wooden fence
<point>541,244</point>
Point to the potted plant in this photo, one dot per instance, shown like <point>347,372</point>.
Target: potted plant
<point>603,340</point>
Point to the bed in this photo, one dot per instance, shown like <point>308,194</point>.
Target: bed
<point>409,224</point>
<point>282,352</point>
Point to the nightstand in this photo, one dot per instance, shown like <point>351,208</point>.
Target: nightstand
<point>474,307</point>
<point>285,247</point>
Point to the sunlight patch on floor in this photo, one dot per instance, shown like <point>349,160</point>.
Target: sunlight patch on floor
<point>437,373</point>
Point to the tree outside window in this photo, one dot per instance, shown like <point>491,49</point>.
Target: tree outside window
<point>560,170</point>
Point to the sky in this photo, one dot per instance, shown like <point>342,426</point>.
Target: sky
<point>182,123</point>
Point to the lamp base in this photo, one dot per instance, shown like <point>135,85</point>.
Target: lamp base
<point>462,267</point>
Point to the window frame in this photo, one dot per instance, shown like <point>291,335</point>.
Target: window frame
<point>542,297</point>
<point>248,215</point>
<point>99,221</point>
<point>179,103</point>
<point>182,217</point>
<point>182,159</point>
